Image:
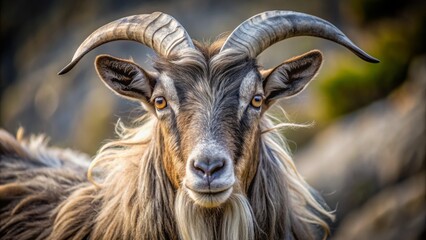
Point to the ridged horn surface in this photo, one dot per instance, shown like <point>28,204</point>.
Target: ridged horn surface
<point>159,31</point>
<point>265,29</point>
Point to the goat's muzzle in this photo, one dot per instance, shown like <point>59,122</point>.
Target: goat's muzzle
<point>209,176</point>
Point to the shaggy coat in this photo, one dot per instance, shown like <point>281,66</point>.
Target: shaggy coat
<point>133,185</point>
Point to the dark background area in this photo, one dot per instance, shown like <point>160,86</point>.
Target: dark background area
<point>365,151</point>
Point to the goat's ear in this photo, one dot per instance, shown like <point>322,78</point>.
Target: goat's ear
<point>291,77</point>
<point>125,77</point>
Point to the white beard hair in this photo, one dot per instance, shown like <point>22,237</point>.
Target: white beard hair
<point>233,220</point>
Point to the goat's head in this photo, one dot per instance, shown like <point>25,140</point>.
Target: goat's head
<point>209,103</point>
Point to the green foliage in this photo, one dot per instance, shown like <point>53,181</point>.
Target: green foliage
<point>354,84</point>
<point>352,87</point>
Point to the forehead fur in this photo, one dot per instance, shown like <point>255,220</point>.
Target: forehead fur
<point>207,71</point>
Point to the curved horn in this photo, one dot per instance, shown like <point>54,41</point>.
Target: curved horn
<point>159,31</point>
<point>265,29</point>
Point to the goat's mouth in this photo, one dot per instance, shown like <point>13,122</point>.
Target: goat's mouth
<point>209,198</point>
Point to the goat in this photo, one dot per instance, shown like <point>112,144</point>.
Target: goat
<point>204,162</point>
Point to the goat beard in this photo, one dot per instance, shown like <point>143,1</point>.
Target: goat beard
<point>234,219</point>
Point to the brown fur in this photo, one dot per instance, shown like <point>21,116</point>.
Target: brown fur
<point>33,182</point>
<point>136,179</point>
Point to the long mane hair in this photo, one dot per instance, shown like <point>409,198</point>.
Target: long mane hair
<point>137,199</point>
<point>131,197</point>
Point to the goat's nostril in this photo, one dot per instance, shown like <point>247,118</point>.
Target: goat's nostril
<point>216,166</point>
<point>208,168</point>
<point>199,167</point>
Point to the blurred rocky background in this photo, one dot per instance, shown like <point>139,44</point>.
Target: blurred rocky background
<point>365,151</point>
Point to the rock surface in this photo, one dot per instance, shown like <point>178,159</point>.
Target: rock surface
<point>370,165</point>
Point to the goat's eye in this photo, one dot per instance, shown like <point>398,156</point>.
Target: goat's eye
<point>160,103</point>
<point>257,101</point>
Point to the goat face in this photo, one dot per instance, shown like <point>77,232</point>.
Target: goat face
<point>209,102</point>
<point>208,113</point>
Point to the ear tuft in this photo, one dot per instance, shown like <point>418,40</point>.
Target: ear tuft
<point>292,76</point>
<point>125,77</point>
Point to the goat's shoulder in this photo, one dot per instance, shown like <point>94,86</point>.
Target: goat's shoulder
<point>34,180</point>
<point>34,152</point>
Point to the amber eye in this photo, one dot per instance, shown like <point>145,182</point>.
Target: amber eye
<point>160,103</point>
<point>257,101</point>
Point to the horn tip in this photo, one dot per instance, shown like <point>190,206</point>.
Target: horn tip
<point>62,72</point>
<point>66,69</point>
<point>375,60</point>
<point>371,59</point>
